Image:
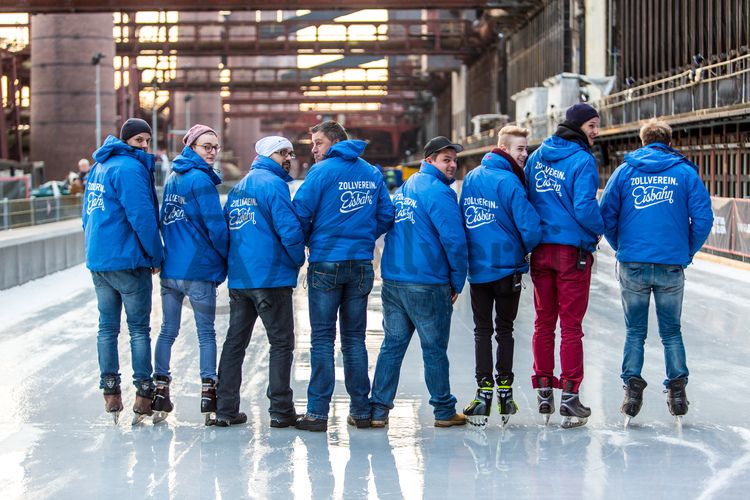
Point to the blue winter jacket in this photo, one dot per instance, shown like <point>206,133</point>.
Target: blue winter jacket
<point>562,180</point>
<point>655,207</point>
<point>196,239</point>
<point>427,244</point>
<point>121,212</point>
<point>266,244</point>
<point>343,205</point>
<point>501,225</point>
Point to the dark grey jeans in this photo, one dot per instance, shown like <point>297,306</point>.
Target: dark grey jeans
<point>274,306</point>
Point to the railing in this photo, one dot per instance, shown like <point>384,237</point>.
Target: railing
<point>33,211</point>
<point>718,85</point>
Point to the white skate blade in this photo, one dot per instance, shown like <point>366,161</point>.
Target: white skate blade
<point>679,420</point>
<point>160,416</point>
<point>137,419</point>
<point>479,421</point>
<point>572,422</point>
<point>504,419</point>
<point>546,417</point>
<point>210,418</point>
<point>627,421</point>
<point>115,417</point>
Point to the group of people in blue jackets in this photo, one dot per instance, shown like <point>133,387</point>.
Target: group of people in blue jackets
<point>516,213</point>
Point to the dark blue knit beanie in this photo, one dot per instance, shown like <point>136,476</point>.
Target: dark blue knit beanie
<point>580,113</point>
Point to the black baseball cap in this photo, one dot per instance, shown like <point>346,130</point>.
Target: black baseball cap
<point>439,143</point>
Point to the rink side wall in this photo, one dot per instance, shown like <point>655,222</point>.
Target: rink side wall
<point>33,252</point>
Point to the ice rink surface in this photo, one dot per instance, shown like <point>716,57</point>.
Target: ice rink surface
<point>57,442</point>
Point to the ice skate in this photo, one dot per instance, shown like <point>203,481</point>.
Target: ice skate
<point>506,405</point>
<point>677,401</point>
<point>208,400</point>
<point>545,399</point>
<point>573,412</point>
<point>162,405</point>
<point>112,398</point>
<point>631,405</point>
<point>143,401</point>
<point>113,405</point>
<point>478,411</point>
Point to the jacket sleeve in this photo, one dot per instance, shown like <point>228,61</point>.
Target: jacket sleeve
<point>585,206</point>
<point>136,195</point>
<point>385,212</point>
<point>700,213</point>
<point>610,208</point>
<point>525,218</point>
<point>285,222</point>
<point>210,209</point>
<point>306,201</point>
<point>445,215</point>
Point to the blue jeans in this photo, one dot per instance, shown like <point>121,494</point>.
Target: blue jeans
<point>338,289</point>
<point>428,309</point>
<point>202,296</point>
<point>132,289</point>
<point>667,282</point>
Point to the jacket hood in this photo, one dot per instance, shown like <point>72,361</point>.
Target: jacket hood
<point>428,169</point>
<point>188,159</point>
<point>348,150</point>
<point>266,163</point>
<point>555,148</point>
<point>497,155</point>
<point>655,157</point>
<point>115,147</point>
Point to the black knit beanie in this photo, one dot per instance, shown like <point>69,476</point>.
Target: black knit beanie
<point>133,126</point>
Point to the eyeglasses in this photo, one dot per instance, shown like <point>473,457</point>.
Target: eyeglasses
<point>286,153</point>
<point>210,147</point>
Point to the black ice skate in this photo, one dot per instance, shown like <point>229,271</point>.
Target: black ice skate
<point>208,400</point>
<point>478,411</point>
<point>162,405</point>
<point>144,396</point>
<point>112,398</point>
<point>631,405</point>
<point>545,399</point>
<point>573,412</point>
<point>506,406</point>
<point>677,401</point>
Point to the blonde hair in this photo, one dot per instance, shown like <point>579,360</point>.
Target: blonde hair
<point>503,137</point>
<point>655,130</point>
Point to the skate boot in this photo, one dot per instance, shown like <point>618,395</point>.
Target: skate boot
<point>112,398</point>
<point>144,396</point>
<point>478,411</point>
<point>677,401</point>
<point>208,400</point>
<point>573,412</point>
<point>545,399</point>
<point>162,404</point>
<point>631,405</point>
<point>506,406</point>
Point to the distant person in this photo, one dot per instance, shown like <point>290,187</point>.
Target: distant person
<point>165,167</point>
<point>562,180</point>
<point>123,250</point>
<point>657,215</point>
<point>424,269</point>
<point>78,181</point>
<point>266,250</point>
<point>343,207</point>
<point>196,242</point>
<point>502,228</point>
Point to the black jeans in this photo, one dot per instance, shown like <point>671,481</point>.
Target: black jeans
<point>274,306</point>
<point>505,300</point>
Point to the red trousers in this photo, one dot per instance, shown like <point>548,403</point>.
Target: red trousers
<point>560,289</point>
